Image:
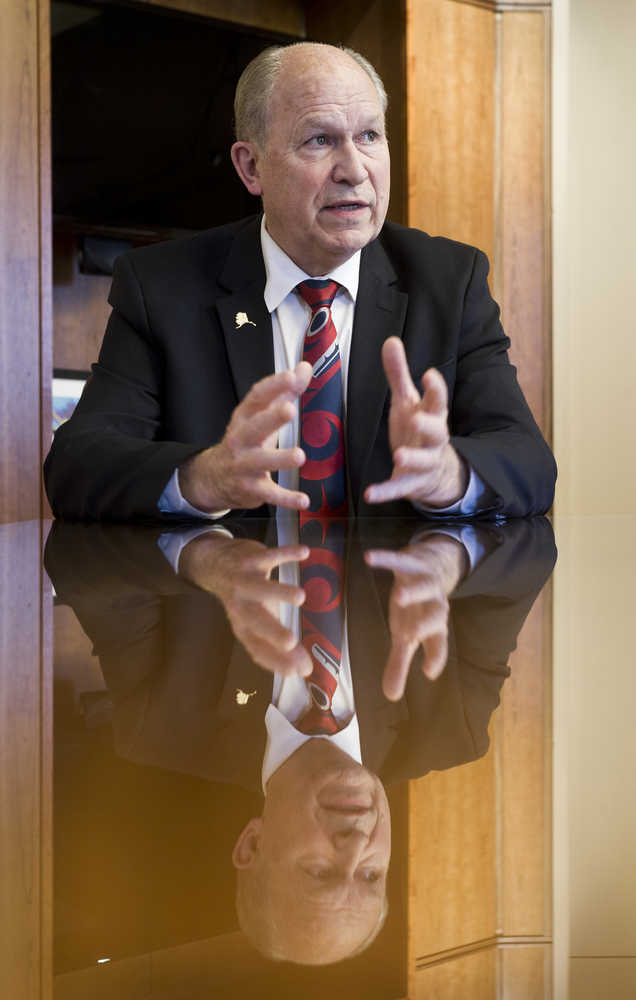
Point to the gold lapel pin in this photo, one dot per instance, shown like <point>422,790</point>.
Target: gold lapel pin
<point>241,319</point>
<point>242,697</point>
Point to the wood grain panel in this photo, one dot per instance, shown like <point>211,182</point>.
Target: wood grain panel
<point>25,759</point>
<point>472,975</point>
<point>525,971</point>
<point>450,120</point>
<point>523,259</point>
<point>524,741</point>
<point>281,16</point>
<point>81,309</point>
<point>452,858</point>
<point>20,276</point>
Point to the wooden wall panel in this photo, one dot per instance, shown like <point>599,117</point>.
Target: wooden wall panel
<point>452,884</point>
<point>473,976</point>
<point>525,971</point>
<point>522,284</point>
<point>523,735</point>
<point>283,16</point>
<point>25,766</point>
<point>450,120</point>
<point>24,254</point>
<point>81,310</point>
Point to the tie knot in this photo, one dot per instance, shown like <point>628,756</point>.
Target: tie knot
<point>318,292</point>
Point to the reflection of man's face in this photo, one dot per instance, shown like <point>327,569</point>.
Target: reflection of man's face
<point>324,173</point>
<point>320,853</point>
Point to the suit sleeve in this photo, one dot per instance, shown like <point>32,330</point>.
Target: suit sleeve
<point>491,424</point>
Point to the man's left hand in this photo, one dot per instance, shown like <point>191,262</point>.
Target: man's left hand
<point>426,467</point>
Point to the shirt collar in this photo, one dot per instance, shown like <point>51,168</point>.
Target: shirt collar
<point>283,275</point>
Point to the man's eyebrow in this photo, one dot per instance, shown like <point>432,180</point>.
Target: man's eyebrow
<point>326,123</point>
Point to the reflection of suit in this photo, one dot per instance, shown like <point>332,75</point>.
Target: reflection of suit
<point>173,366</point>
<point>173,667</point>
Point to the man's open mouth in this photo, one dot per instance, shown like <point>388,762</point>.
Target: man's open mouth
<point>346,206</point>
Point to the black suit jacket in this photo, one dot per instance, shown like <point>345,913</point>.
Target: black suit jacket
<point>173,366</point>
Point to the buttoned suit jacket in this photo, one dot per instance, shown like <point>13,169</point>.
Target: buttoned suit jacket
<point>174,364</point>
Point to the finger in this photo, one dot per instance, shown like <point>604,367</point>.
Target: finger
<point>401,486</point>
<point>397,371</point>
<point>270,492</point>
<point>249,429</point>
<point>256,461</point>
<point>435,392</point>
<point>271,558</point>
<point>294,381</point>
<point>435,655</point>
<point>397,669</point>
<point>282,654</point>
<point>422,459</point>
<point>399,562</point>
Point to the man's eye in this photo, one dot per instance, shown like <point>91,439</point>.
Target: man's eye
<point>370,135</point>
<point>371,875</point>
<point>320,874</point>
<point>318,140</point>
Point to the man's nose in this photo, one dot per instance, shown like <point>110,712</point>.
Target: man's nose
<point>352,836</point>
<point>349,167</point>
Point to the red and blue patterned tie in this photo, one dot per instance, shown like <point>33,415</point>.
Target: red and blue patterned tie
<point>322,477</point>
<point>322,619</point>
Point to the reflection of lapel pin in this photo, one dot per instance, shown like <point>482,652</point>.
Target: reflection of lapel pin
<point>242,697</point>
<point>241,319</point>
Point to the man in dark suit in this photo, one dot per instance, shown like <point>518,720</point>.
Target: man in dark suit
<point>192,407</point>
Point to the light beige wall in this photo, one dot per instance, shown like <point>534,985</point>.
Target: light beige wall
<point>594,265</point>
<point>595,256</point>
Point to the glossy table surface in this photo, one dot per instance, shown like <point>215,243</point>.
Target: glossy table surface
<point>494,704</point>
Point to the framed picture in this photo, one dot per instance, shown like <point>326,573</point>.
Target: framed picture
<point>67,389</point>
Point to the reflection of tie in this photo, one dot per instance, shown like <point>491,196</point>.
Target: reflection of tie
<point>322,618</point>
<point>322,476</point>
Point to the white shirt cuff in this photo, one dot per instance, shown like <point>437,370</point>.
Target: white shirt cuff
<point>172,543</point>
<point>172,501</point>
<point>477,495</point>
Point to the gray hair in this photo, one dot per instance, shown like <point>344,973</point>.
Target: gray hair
<point>256,84</point>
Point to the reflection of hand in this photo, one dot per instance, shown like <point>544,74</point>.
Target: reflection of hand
<point>426,467</point>
<point>424,575</point>
<point>236,473</point>
<point>237,571</point>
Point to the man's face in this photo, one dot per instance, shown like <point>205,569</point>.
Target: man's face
<point>324,173</point>
<point>324,842</point>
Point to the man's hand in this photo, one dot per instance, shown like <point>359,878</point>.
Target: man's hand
<point>426,467</point>
<point>424,576</point>
<point>237,571</point>
<point>236,473</point>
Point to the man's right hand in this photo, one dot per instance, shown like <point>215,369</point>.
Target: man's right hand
<point>236,473</point>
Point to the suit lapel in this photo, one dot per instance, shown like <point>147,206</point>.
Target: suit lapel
<point>245,321</point>
<point>380,313</point>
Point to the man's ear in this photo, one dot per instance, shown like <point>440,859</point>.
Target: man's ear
<point>245,160</point>
<point>246,847</point>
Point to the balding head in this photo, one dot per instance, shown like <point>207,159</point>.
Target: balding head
<point>256,84</point>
